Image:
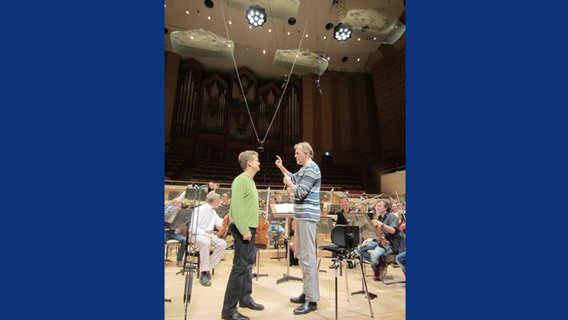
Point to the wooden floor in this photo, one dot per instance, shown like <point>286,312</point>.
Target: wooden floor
<point>206,302</point>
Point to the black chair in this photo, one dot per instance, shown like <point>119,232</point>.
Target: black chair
<point>345,240</point>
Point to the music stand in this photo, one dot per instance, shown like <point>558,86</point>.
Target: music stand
<point>181,220</point>
<point>365,225</point>
<point>367,230</point>
<point>285,210</point>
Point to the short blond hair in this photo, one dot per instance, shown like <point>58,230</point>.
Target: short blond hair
<point>246,156</point>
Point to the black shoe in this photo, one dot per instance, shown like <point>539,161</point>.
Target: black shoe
<point>234,316</point>
<point>251,305</point>
<point>299,299</point>
<point>306,307</point>
<point>204,279</point>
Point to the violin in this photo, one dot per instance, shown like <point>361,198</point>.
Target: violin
<point>383,242</point>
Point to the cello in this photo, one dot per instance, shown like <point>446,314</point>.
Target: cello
<point>263,224</point>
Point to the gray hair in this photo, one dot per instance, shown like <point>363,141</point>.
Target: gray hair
<point>305,147</point>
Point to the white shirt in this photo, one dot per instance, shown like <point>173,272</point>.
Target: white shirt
<point>208,220</point>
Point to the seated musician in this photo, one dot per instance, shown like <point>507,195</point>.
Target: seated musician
<point>203,221</point>
<point>224,206</point>
<point>275,225</point>
<point>172,209</point>
<point>392,239</point>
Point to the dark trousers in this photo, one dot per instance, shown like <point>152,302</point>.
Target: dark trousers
<point>239,286</point>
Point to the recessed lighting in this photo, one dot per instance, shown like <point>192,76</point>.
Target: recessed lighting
<point>230,22</point>
<point>208,17</point>
<point>324,37</point>
<point>186,11</point>
<point>264,51</point>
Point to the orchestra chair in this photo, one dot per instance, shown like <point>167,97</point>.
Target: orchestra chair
<point>345,240</point>
<point>193,254</point>
<point>171,245</point>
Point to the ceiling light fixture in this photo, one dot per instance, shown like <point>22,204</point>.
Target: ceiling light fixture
<point>342,32</point>
<point>256,16</point>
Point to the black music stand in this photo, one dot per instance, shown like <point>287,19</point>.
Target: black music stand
<point>367,230</point>
<point>285,212</point>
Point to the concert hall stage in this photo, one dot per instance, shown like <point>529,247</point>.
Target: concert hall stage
<point>206,302</point>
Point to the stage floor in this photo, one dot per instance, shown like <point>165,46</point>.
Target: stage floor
<point>206,302</point>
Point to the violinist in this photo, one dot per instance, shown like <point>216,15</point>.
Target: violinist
<point>391,240</point>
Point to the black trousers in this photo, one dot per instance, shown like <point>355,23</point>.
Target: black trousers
<point>239,285</point>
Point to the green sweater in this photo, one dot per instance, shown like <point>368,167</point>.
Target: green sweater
<point>244,212</point>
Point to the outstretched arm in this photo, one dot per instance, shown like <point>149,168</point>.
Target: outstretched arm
<point>280,166</point>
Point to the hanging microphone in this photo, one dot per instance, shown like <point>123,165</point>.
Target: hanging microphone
<point>318,86</point>
<point>285,81</point>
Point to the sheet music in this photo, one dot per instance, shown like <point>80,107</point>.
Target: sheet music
<point>282,210</point>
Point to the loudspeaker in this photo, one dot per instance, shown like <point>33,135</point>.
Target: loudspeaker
<point>397,31</point>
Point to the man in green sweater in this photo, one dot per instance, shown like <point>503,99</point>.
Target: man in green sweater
<point>243,217</point>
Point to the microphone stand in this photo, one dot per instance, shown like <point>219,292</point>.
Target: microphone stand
<point>189,268</point>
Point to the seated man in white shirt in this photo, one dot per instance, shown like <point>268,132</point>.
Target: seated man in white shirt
<point>203,221</point>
